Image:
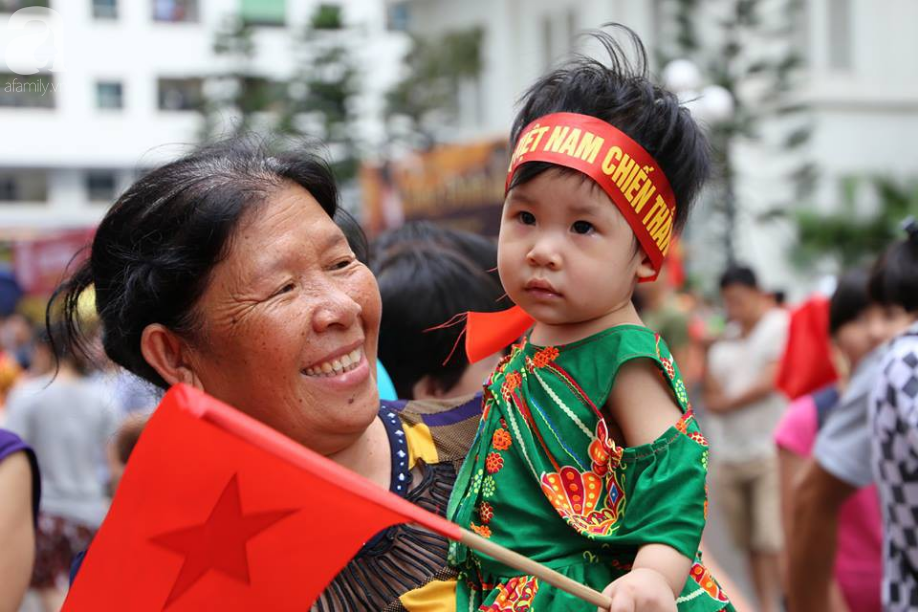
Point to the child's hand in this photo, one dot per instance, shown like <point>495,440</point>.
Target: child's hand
<point>641,590</point>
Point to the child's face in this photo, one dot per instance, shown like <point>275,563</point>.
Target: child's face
<point>566,254</point>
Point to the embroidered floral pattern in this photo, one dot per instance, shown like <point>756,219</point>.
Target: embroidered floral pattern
<point>705,580</point>
<point>494,463</point>
<point>482,530</point>
<point>545,357</point>
<point>485,512</point>
<point>681,394</point>
<point>576,496</point>
<point>501,440</point>
<point>511,383</point>
<point>489,486</point>
<point>604,454</point>
<point>516,596</point>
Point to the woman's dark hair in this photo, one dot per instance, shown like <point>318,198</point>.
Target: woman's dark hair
<point>739,275</point>
<point>894,278</point>
<point>850,299</point>
<point>623,95</point>
<point>452,271</point>
<point>152,254</point>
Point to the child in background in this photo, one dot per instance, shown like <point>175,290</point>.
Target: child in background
<point>588,458</point>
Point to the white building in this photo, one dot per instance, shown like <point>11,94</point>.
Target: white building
<point>132,71</point>
<point>862,86</point>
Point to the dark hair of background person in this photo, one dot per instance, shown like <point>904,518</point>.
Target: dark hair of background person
<point>894,277</point>
<point>154,250</point>
<point>623,95</point>
<point>427,275</point>
<point>739,275</point>
<point>850,299</point>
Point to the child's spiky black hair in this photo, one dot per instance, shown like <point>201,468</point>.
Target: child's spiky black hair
<point>622,94</point>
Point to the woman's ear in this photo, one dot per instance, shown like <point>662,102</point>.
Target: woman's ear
<point>168,354</point>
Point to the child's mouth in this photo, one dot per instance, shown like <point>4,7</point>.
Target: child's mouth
<point>541,289</point>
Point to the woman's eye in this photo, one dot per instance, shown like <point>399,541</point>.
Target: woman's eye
<point>582,227</point>
<point>286,289</point>
<point>527,218</point>
<point>340,265</point>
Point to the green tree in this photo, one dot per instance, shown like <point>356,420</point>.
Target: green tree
<point>749,48</point>
<point>316,102</point>
<point>846,237</point>
<point>436,68</point>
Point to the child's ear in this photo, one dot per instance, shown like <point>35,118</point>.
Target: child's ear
<point>645,269</point>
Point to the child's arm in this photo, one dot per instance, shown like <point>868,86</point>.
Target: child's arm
<point>641,403</point>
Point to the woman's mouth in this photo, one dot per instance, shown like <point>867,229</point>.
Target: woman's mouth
<point>336,366</point>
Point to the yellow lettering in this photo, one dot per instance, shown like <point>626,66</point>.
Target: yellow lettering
<point>627,183</point>
<point>539,132</point>
<point>557,138</point>
<point>623,170</point>
<point>633,186</point>
<point>647,190</point>
<point>570,145</point>
<point>589,147</point>
<point>658,221</point>
<point>614,153</point>
<point>667,242</point>
<point>657,205</point>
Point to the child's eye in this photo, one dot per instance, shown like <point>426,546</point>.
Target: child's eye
<point>527,218</point>
<point>582,227</point>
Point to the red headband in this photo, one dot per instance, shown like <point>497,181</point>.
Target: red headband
<point>629,175</point>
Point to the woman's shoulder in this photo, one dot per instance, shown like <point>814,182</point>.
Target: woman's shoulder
<point>438,430</point>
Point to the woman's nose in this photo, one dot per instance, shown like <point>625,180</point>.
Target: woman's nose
<point>337,309</point>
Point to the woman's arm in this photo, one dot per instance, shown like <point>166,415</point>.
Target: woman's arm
<point>17,532</point>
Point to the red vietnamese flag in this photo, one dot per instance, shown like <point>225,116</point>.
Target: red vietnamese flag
<point>217,511</point>
<point>807,365</point>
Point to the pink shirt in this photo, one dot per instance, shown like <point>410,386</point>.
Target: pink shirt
<point>859,556</point>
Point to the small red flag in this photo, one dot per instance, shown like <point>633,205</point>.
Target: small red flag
<point>217,511</point>
<point>489,332</point>
<point>807,362</point>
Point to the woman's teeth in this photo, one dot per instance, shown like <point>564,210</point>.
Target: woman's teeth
<point>339,365</point>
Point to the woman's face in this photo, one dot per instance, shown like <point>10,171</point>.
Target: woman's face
<point>290,325</point>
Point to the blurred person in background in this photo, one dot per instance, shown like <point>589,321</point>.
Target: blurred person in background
<point>840,465</point>
<point>894,424</point>
<point>661,311</point>
<point>16,335</point>
<point>427,275</point>
<point>744,407</point>
<point>855,582</point>
<point>20,491</point>
<point>69,424</point>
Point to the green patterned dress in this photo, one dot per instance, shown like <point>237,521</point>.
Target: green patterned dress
<point>545,479</point>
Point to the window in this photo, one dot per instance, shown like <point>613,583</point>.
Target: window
<point>105,9</point>
<point>180,94</point>
<point>399,16</point>
<point>11,6</point>
<point>264,12</point>
<point>33,91</point>
<point>109,95</point>
<point>175,10</point>
<point>23,186</point>
<point>101,185</point>
<point>839,34</point>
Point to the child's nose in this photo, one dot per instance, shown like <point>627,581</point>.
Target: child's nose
<point>544,254</point>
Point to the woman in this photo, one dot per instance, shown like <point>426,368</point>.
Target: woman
<point>225,270</point>
<point>856,329</point>
<point>20,489</point>
<point>68,422</point>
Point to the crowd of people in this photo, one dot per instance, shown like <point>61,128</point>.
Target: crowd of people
<point>570,434</point>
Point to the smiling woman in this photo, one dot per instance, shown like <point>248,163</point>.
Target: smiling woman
<point>226,270</point>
